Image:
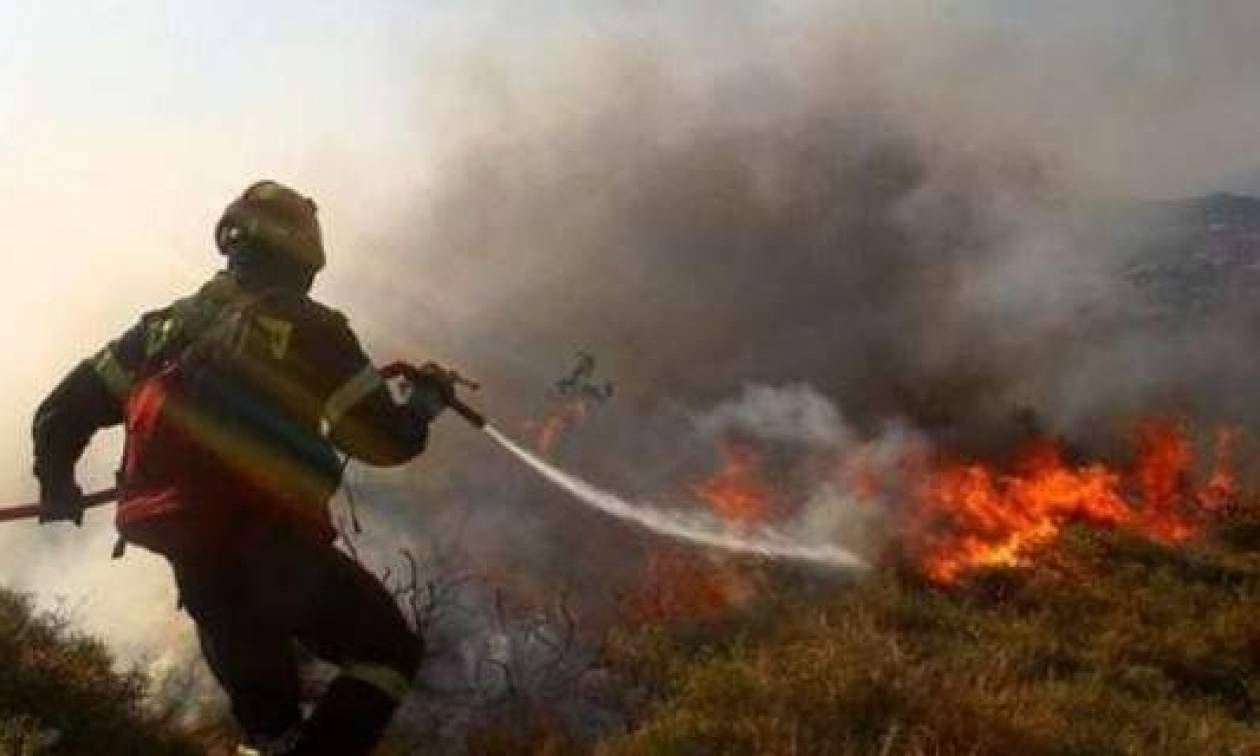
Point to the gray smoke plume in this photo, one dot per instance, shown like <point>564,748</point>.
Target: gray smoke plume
<point>920,215</point>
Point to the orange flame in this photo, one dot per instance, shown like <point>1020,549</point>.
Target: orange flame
<point>698,587</point>
<point>687,586</point>
<point>952,516</point>
<point>1162,473</point>
<point>737,492</point>
<point>1222,485</point>
<point>967,515</point>
<point>552,427</point>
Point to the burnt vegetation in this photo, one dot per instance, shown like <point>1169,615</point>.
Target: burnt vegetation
<point>1102,642</point>
<point>1110,643</point>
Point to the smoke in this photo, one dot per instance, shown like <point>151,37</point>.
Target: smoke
<point>886,205</point>
<point>793,413</point>
<point>919,214</point>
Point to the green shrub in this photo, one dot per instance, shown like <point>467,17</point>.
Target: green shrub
<point>60,693</point>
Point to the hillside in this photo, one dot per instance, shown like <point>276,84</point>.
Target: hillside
<point>1198,257</point>
<point>1110,644</point>
<point>1099,641</point>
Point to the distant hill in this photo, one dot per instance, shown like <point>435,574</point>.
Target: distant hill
<point>1198,256</point>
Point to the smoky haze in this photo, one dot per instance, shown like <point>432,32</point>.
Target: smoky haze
<point>888,206</point>
<point>918,218</point>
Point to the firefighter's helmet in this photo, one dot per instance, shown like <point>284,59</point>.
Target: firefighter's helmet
<point>273,219</point>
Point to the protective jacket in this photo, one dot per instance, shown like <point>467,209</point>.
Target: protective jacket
<point>236,401</point>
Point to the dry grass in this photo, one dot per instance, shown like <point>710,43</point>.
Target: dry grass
<point>1111,645</point>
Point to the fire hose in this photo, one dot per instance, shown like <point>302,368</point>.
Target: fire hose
<point>24,511</point>
<point>672,523</point>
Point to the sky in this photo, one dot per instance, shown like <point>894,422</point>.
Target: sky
<point>125,127</point>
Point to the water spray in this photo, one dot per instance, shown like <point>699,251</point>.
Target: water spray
<point>682,526</point>
<point>703,531</point>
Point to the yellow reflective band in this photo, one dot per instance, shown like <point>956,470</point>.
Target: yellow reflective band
<point>116,378</point>
<point>277,333</point>
<point>351,393</point>
<point>389,681</point>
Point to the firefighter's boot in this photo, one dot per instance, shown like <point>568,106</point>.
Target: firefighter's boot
<point>349,719</point>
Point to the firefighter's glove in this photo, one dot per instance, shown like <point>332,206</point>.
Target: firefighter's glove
<point>60,499</point>
<point>432,389</point>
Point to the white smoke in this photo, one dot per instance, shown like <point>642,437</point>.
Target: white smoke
<point>834,464</point>
<point>788,413</point>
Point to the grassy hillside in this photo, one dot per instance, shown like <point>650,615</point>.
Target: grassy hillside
<point>1111,644</point>
<point>1108,644</point>
<point>59,693</point>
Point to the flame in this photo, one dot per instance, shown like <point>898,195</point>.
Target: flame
<point>737,492</point>
<point>1221,488</point>
<point>552,427</point>
<point>966,515</point>
<point>1162,473</point>
<point>688,586</point>
<point>679,585</point>
<point>951,516</point>
<point>969,515</point>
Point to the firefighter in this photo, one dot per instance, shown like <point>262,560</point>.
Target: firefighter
<point>236,401</point>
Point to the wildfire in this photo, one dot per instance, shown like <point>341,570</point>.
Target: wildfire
<point>703,587</point>
<point>951,516</point>
<point>966,515</point>
<point>736,493</point>
<point>1222,485</point>
<point>550,428</point>
<point>688,586</point>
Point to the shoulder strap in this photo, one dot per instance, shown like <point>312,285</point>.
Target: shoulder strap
<point>213,318</point>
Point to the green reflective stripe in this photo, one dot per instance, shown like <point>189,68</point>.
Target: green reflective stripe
<point>389,681</point>
<point>351,393</point>
<point>116,378</point>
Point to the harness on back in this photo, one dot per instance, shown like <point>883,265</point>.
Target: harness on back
<point>209,456</point>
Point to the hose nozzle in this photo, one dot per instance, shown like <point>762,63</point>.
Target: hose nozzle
<point>451,378</point>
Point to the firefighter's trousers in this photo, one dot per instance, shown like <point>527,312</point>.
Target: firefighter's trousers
<point>251,606</point>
